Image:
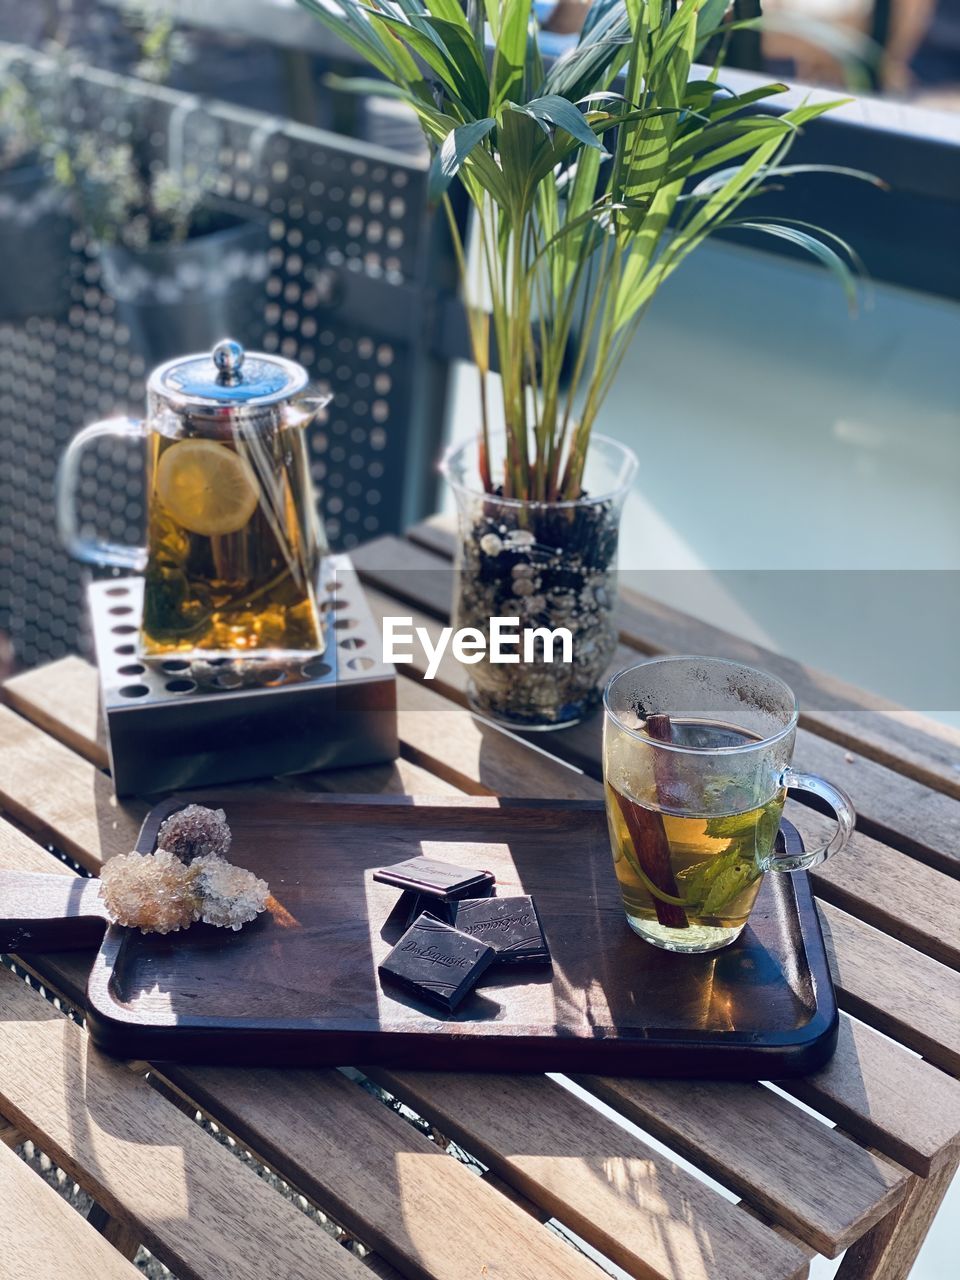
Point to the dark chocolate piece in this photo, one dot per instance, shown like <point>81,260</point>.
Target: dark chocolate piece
<point>406,909</point>
<point>436,879</point>
<point>436,963</point>
<point>415,904</point>
<point>511,925</point>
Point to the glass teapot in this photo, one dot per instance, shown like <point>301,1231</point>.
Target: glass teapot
<point>233,539</point>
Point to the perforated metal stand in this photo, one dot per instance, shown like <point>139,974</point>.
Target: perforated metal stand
<point>181,722</point>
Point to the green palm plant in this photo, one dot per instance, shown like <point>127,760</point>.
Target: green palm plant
<point>587,195</point>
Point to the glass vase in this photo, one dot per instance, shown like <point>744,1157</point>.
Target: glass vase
<point>549,565</point>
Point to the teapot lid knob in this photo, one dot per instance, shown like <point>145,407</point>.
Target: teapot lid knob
<point>228,378</point>
<point>228,357</point>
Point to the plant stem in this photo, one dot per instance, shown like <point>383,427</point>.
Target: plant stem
<point>478,324</point>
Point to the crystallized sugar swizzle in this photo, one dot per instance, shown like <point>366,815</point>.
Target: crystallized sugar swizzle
<point>195,832</point>
<point>152,892</point>
<point>230,896</point>
<point>186,880</point>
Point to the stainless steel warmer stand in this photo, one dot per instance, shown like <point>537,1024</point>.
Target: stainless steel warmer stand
<point>189,721</point>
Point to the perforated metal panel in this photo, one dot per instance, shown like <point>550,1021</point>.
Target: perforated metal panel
<point>349,295</point>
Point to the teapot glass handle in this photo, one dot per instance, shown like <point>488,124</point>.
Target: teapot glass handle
<point>93,550</point>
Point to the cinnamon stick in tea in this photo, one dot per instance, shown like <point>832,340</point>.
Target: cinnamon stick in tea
<point>649,838</point>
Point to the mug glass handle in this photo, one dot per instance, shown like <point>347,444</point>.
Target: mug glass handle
<point>842,808</point>
<point>93,550</point>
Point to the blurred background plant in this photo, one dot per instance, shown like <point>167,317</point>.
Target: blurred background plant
<point>121,194</point>
<point>21,129</point>
<point>160,46</point>
<point>122,198</point>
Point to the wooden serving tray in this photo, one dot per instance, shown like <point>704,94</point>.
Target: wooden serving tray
<point>300,984</point>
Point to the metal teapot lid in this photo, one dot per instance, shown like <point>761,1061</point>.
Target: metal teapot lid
<point>228,378</point>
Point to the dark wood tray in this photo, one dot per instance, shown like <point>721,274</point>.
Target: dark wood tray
<point>300,985</point>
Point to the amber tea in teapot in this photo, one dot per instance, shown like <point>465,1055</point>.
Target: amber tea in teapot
<point>233,541</point>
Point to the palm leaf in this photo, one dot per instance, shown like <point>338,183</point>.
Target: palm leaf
<point>457,146</point>
<point>455,69</point>
<point>724,107</point>
<point>598,12</point>
<point>811,245</point>
<point>450,11</point>
<point>555,110</point>
<point>713,181</point>
<point>647,144</point>
<point>709,19</point>
<point>593,63</point>
<point>510,53</point>
<point>463,54</point>
<point>363,34</point>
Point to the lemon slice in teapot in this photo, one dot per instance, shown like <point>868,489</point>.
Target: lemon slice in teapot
<point>206,487</point>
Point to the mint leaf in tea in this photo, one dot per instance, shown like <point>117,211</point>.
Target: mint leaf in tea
<point>689,842</point>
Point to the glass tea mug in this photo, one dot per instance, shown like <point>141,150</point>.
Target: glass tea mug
<point>696,768</point>
<point>233,541</point>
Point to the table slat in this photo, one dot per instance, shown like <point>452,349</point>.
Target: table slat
<point>903,993</point>
<point>889,1250</point>
<point>424,1211</point>
<point>39,1231</point>
<point>887,1098</point>
<point>196,1206</point>
<point>47,696</point>
<point>794,1168</point>
<point>62,797</point>
<point>477,757</point>
<point>890,807</point>
<point>647,1215</point>
<point>344,1158</point>
<point>402,778</point>
<point>76,722</point>
<point>9,1136</point>
<point>898,895</point>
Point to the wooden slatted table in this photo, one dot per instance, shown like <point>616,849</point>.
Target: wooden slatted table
<point>569,1173</point>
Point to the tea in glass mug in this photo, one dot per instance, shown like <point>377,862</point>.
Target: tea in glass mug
<point>696,765</point>
<point>233,540</point>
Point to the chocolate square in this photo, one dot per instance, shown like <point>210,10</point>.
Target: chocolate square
<point>410,906</point>
<point>436,963</point>
<point>510,925</point>
<point>436,879</point>
<point>413,905</point>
